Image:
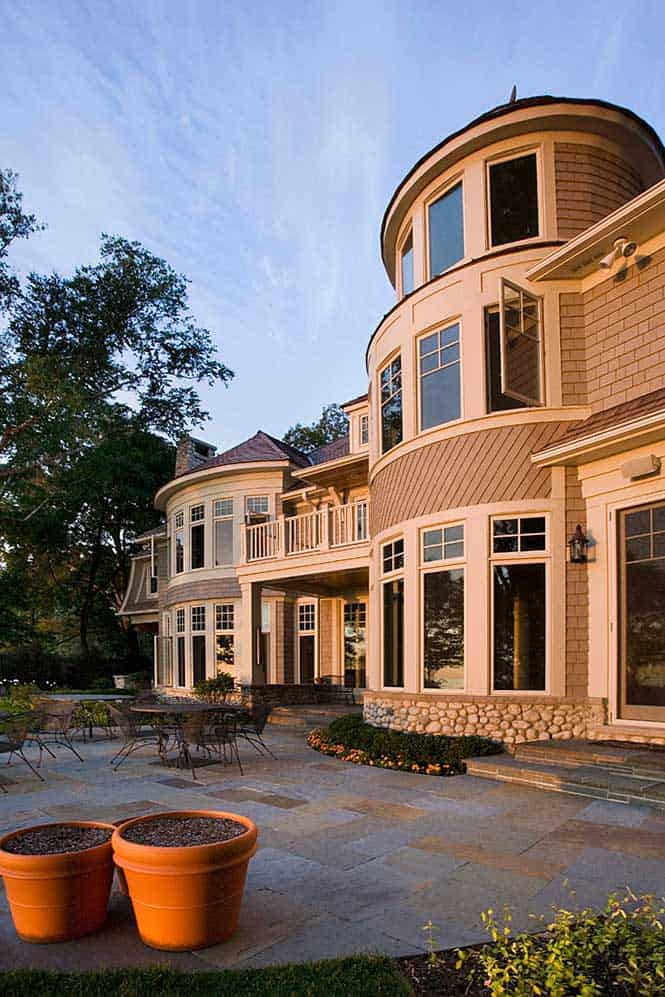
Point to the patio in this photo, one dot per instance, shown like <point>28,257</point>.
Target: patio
<point>351,859</point>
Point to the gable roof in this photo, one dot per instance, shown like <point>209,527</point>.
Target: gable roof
<point>259,447</point>
<point>330,451</point>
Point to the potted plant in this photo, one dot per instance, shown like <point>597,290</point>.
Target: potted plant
<point>58,879</point>
<point>185,875</point>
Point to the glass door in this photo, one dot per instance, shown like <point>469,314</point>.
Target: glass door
<point>642,613</point>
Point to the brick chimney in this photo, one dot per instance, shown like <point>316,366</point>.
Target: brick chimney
<point>191,453</point>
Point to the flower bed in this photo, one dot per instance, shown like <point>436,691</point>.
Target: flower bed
<point>351,740</point>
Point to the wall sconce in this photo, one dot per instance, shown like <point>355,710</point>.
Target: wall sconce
<point>578,545</point>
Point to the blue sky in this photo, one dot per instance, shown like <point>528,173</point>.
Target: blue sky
<point>255,146</point>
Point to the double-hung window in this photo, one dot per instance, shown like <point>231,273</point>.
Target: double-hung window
<point>223,513</point>
<point>392,591</point>
<point>391,404</point>
<point>198,624</point>
<point>224,637</point>
<point>197,536</point>
<point>439,364</point>
<point>257,505</point>
<point>513,193</point>
<point>364,430</point>
<point>519,589</point>
<point>181,677</point>
<point>445,218</point>
<point>179,542</point>
<point>443,607</point>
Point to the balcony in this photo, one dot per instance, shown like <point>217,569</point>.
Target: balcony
<point>325,529</point>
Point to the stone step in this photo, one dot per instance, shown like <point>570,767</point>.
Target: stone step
<point>594,781</point>
<point>649,764</point>
<point>309,717</point>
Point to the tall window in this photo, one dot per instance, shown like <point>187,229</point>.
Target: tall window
<point>439,359</point>
<point>446,231</point>
<point>180,647</point>
<point>520,344</point>
<point>355,647</point>
<point>443,609</point>
<point>179,541</point>
<point>198,643</point>
<point>223,531</point>
<point>393,615</point>
<point>496,400</point>
<point>406,259</point>
<point>364,430</point>
<point>197,546</point>
<point>391,405</point>
<point>513,200</point>
<point>224,638</point>
<point>519,603</point>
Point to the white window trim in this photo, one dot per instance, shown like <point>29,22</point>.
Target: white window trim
<point>404,238</point>
<point>307,633</point>
<point>227,517</point>
<point>543,557</point>
<point>396,576</point>
<point>445,561</point>
<point>190,525</point>
<point>182,529</point>
<point>260,495</point>
<point>394,571</point>
<point>433,197</point>
<point>439,327</point>
<point>224,630</point>
<point>506,157</point>
<point>515,395</point>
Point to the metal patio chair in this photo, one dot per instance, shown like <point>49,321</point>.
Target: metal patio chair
<point>53,726</point>
<point>135,733</point>
<point>212,733</point>
<point>250,727</point>
<point>13,736</point>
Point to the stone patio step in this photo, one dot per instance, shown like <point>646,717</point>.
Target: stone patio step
<point>309,717</point>
<point>595,781</point>
<point>648,764</point>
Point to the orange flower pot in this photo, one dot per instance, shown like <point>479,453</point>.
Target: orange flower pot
<point>190,897</point>
<point>55,898</point>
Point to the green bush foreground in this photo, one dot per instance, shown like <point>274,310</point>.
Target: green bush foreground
<point>360,976</point>
<point>351,739</point>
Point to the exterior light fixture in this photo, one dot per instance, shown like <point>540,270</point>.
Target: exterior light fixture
<point>622,248</point>
<point>579,546</point>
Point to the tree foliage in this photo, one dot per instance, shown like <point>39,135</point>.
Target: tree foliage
<point>332,425</point>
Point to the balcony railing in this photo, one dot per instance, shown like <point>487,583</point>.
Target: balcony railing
<point>326,528</point>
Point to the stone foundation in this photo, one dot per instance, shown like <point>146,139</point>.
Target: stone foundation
<point>512,720</point>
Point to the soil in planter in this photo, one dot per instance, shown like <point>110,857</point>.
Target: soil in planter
<point>178,832</point>
<point>57,840</point>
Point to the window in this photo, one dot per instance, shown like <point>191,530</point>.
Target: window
<point>521,535</point>
<point>180,646</point>
<point>355,648</point>
<point>198,617</point>
<point>496,400</point>
<point>198,658</point>
<point>179,545</point>
<point>197,513</point>
<point>520,344</point>
<point>257,505</point>
<point>513,200</point>
<point>519,626</point>
<point>443,638</point>
<point>446,231</point>
<point>393,556</point>
<point>223,510</point>
<point>443,543</point>
<point>225,616</point>
<point>180,621</point>
<point>406,258</point>
<point>307,617</point>
<point>153,584</point>
<point>225,657</point>
<point>364,430</point>
<point>393,633</point>
<point>439,359</point>
<point>391,405</point>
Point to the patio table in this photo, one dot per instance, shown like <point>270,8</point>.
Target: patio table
<point>179,711</point>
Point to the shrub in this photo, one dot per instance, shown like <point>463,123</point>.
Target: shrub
<point>351,739</point>
<point>138,680</point>
<point>619,951</point>
<point>215,690</point>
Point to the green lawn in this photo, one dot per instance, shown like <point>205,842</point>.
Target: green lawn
<point>359,976</point>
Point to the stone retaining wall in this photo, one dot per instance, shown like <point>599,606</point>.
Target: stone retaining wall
<point>510,720</point>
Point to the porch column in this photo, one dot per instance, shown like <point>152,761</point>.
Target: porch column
<point>250,633</point>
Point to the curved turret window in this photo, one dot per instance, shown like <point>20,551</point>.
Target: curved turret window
<point>513,187</point>
<point>446,231</point>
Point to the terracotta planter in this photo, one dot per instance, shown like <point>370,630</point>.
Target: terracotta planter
<point>186,898</point>
<point>55,898</point>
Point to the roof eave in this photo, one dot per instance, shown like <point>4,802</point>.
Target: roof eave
<point>604,443</point>
<point>169,489</point>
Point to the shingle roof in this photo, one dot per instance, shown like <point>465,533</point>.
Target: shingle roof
<point>330,451</point>
<point>355,401</point>
<point>616,416</point>
<point>154,532</point>
<point>259,447</point>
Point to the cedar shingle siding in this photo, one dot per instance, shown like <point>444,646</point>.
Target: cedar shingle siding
<point>590,183</point>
